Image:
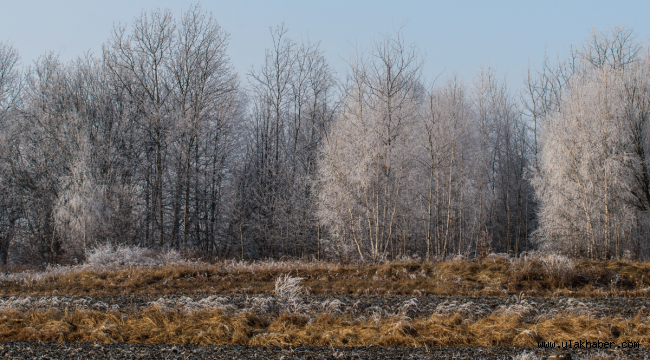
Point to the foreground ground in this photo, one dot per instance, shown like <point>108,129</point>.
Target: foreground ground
<point>43,350</point>
<point>496,308</point>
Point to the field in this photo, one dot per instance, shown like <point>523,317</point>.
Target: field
<point>505,305</point>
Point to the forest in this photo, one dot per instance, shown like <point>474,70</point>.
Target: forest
<point>157,142</point>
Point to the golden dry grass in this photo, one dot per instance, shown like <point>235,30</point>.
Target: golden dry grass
<point>491,277</point>
<point>216,328</point>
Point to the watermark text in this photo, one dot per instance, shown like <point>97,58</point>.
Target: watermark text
<point>583,344</point>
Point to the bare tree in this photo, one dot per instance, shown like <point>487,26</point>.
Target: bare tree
<point>186,98</point>
<point>205,81</point>
<point>291,104</point>
<point>10,86</point>
<point>140,62</point>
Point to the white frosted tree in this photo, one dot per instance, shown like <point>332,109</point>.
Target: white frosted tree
<point>139,60</point>
<point>472,183</point>
<point>592,178</point>
<point>580,185</point>
<point>367,162</point>
<point>129,147</point>
<point>444,144</point>
<point>206,103</point>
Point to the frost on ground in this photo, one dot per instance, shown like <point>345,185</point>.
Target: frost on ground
<point>595,355</point>
<point>521,308</point>
<point>467,309</point>
<point>526,355</point>
<point>29,303</point>
<point>290,299</point>
<point>188,305</point>
<point>289,314</point>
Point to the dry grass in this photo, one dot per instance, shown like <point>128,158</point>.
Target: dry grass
<point>217,328</point>
<point>494,276</point>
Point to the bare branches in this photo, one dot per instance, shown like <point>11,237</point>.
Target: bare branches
<point>10,78</point>
<point>616,48</point>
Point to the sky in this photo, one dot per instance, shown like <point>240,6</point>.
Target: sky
<point>457,37</point>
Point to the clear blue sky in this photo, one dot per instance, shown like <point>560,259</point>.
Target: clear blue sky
<point>457,36</point>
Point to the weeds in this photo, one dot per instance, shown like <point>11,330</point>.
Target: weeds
<point>288,291</point>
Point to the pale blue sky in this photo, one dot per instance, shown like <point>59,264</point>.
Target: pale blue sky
<point>456,36</point>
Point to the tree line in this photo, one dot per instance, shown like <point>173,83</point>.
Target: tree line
<point>157,142</point>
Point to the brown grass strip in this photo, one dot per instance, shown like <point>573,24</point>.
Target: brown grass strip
<point>492,277</point>
<point>154,326</point>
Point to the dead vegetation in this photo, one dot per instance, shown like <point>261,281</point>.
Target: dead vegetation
<point>218,328</point>
<point>494,276</point>
<point>286,318</point>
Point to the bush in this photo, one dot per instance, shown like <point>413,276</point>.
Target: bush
<point>559,267</point>
<point>288,292</point>
<point>108,256</point>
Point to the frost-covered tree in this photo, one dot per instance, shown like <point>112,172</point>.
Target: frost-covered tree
<point>134,147</point>
<point>367,167</point>
<point>580,185</point>
<point>473,180</point>
<point>69,160</point>
<point>592,162</point>
<point>444,144</point>
<point>206,106</point>
<point>140,60</point>
<point>636,100</point>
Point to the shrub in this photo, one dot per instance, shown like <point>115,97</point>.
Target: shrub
<point>559,267</point>
<point>288,292</point>
<point>108,256</point>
